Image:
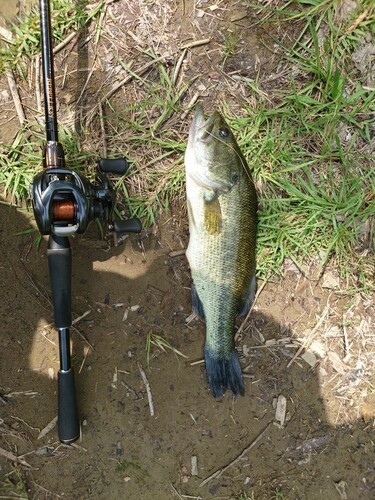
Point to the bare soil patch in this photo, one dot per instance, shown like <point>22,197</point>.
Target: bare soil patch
<point>308,344</point>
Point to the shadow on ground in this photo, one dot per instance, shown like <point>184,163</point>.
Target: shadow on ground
<point>124,450</point>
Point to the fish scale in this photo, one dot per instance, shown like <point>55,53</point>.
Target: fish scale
<point>222,209</point>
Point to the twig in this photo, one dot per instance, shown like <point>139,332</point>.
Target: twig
<point>65,42</point>
<point>76,446</point>
<point>7,497</point>
<point>346,342</point>
<point>88,76</point>
<point>25,423</point>
<point>185,496</point>
<point>81,317</point>
<point>7,430</point>
<point>196,43</point>
<point>7,203</point>
<point>83,337</point>
<point>275,345</point>
<point>121,83</point>
<point>358,21</point>
<point>48,428</point>
<point>177,253</point>
<point>20,393</point>
<point>219,472</point>
<point>178,67</point>
<point>307,340</point>
<point>48,492</point>
<point>102,127</point>
<point>16,97</point>
<point>85,354</point>
<point>190,105</point>
<point>199,362</point>
<point>175,491</point>
<point>148,389</point>
<point>10,456</point>
<point>129,388</point>
<point>191,317</point>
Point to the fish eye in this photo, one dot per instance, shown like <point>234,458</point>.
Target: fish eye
<point>224,132</point>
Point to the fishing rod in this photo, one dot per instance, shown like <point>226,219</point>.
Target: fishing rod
<point>64,203</point>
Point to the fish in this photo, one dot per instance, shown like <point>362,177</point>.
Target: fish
<point>222,213</point>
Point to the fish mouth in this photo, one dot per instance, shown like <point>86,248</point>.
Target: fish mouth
<point>202,126</point>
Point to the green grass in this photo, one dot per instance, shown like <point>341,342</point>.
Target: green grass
<point>231,45</point>
<point>14,485</point>
<point>153,147</point>
<point>66,16</point>
<point>306,143</point>
<point>157,341</point>
<point>20,160</point>
<point>279,495</point>
<point>132,468</point>
<point>316,185</point>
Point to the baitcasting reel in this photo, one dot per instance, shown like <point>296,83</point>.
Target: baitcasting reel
<point>64,202</point>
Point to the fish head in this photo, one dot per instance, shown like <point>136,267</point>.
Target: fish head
<point>212,157</point>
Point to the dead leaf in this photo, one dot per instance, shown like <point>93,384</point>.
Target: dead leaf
<point>330,281</point>
<point>337,364</point>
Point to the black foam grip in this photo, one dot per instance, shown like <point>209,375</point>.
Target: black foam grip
<point>60,271</point>
<point>115,166</point>
<point>68,422</point>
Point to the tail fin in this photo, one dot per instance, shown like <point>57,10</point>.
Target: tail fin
<point>223,372</point>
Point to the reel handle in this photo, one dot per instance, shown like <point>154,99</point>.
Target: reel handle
<point>113,166</point>
<point>127,226</point>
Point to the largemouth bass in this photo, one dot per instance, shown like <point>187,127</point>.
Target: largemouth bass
<point>222,211</point>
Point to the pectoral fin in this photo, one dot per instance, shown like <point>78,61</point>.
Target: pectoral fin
<point>212,216</point>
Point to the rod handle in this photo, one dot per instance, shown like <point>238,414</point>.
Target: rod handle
<point>67,422</point>
<point>60,272</point>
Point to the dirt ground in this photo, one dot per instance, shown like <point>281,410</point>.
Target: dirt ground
<point>324,449</point>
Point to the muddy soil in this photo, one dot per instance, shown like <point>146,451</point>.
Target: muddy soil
<point>124,452</point>
<point>123,295</point>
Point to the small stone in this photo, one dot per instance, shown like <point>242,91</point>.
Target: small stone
<point>5,96</point>
<point>281,409</point>
<point>194,466</point>
<point>310,358</point>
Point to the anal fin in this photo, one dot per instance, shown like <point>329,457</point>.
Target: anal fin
<point>196,301</point>
<point>247,298</point>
